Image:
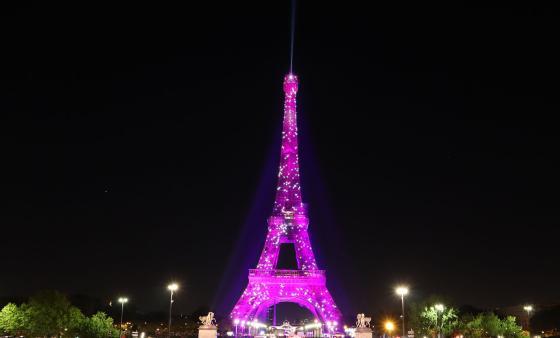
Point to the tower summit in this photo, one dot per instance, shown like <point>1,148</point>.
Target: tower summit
<point>288,193</point>
<point>288,224</point>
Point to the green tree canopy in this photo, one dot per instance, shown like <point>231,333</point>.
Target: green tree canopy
<point>426,320</point>
<point>511,329</point>
<point>12,319</point>
<point>487,325</point>
<point>98,325</point>
<point>49,314</point>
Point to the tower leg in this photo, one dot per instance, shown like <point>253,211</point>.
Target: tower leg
<point>274,316</point>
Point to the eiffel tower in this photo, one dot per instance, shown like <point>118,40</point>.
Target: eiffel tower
<point>288,223</point>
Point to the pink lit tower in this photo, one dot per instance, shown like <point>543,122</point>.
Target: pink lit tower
<point>288,223</point>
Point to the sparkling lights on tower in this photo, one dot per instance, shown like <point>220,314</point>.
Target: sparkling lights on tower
<point>288,223</point>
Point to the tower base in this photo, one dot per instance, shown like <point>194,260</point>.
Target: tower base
<point>363,332</point>
<point>207,331</point>
<point>306,288</point>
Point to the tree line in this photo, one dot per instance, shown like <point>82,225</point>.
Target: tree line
<point>50,314</point>
<point>428,320</point>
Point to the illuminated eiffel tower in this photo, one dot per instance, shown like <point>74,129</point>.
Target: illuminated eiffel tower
<point>288,223</point>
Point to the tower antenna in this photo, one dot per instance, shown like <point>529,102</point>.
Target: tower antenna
<point>292,37</point>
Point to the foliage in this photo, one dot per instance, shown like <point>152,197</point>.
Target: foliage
<point>427,321</point>
<point>492,324</point>
<point>98,325</point>
<point>435,321</point>
<point>471,326</point>
<point>486,325</point>
<point>424,316</point>
<point>12,319</point>
<point>511,329</point>
<point>50,314</point>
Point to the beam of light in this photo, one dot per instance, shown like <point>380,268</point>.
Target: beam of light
<point>292,36</point>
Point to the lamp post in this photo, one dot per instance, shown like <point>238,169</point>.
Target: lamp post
<point>122,300</point>
<point>529,309</point>
<point>172,288</point>
<point>439,308</point>
<point>402,291</point>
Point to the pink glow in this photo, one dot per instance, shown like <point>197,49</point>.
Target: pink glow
<point>287,224</point>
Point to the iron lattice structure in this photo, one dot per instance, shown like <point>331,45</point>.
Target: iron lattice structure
<point>288,223</point>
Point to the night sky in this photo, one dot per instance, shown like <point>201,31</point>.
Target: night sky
<point>141,144</point>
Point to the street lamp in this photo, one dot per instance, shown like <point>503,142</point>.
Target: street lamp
<point>529,309</point>
<point>389,326</point>
<point>122,300</point>
<point>402,291</point>
<point>439,308</point>
<point>172,288</point>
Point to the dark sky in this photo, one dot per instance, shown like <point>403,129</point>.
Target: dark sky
<point>140,145</point>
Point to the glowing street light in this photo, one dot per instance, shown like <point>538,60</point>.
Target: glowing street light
<point>389,326</point>
<point>172,288</point>
<point>528,309</point>
<point>402,291</point>
<point>122,300</point>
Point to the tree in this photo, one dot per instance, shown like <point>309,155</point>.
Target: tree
<point>471,326</point>
<point>427,320</point>
<point>511,329</point>
<point>487,325</point>
<point>12,319</point>
<point>49,314</point>
<point>98,325</point>
<point>492,324</point>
